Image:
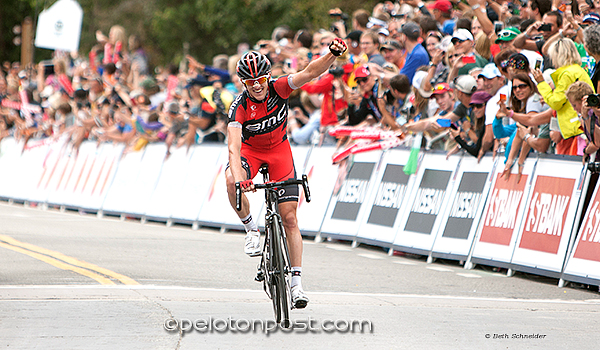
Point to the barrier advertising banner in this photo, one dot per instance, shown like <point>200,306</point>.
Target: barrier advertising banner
<point>498,230</point>
<point>346,206</point>
<point>322,176</point>
<point>216,209</point>
<point>549,217</point>
<point>467,200</point>
<point>9,157</point>
<point>122,190</point>
<point>420,222</point>
<point>584,262</point>
<point>196,182</point>
<point>391,189</point>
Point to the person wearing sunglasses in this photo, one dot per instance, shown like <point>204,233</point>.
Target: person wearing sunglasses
<point>525,101</point>
<point>478,101</point>
<point>369,88</point>
<point>257,134</point>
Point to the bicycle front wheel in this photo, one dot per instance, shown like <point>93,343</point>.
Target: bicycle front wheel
<point>282,293</point>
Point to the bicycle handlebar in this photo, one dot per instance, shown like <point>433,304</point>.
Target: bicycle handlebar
<point>269,185</point>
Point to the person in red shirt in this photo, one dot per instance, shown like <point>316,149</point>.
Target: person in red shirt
<point>256,134</point>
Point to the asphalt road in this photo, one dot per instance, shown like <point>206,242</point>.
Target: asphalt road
<point>72,281</point>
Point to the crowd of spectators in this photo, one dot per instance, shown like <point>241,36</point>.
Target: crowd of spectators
<point>517,76</point>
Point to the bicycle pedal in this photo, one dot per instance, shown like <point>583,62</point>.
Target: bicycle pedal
<point>260,276</point>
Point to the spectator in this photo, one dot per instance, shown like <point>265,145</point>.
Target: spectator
<point>368,87</point>
<point>393,53</point>
<point>525,101</point>
<point>442,13</point>
<point>564,55</point>
<point>592,46</point>
<point>477,103</point>
<point>360,18</point>
<point>369,45</point>
<point>554,19</point>
<point>391,103</point>
<point>494,84</point>
<point>577,94</point>
<point>416,55</point>
<point>467,59</point>
<point>302,135</point>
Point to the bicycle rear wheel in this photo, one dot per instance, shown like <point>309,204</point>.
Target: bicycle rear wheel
<point>282,293</point>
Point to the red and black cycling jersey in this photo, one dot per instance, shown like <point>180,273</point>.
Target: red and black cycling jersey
<point>263,123</point>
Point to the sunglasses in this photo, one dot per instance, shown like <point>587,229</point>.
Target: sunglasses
<point>520,86</point>
<point>457,41</point>
<point>439,87</point>
<point>260,80</point>
<point>453,56</point>
<point>477,105</point>
<point>505,34</point>
<point>361,80</point>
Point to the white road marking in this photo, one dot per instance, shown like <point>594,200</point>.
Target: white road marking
<point>371,256</point>
<point>440,269</point>
<point>404,262</point>
<point>231,290</point>
<point>339,248</point>
<point>468,275</point>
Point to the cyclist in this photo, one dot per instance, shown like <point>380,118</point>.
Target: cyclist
<point>256,134</point>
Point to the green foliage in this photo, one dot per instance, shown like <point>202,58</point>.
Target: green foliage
<point>210,26</point>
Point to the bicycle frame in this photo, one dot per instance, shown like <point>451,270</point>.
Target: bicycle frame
<point>274,269</point>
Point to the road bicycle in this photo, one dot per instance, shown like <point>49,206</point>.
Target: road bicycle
<point>274,269</point>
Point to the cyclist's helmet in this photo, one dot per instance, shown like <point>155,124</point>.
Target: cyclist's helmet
<point>253,65</point>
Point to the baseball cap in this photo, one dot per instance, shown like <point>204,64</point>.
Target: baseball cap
<point>461,34</point>
<point>411,30</point>
<point>591,18</point>
<point>391,45</point>
<point>490,71</point>
<point>441,5</point>
<point>507,34</point>
<point>354,35</point>
<point>417,83</point>
<point>441,88</point>
<point>518,61</point>
<point>362,72</point>
<point>464,83</point>
<point>480,97</point>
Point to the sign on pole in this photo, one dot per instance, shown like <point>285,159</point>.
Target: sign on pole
<point>59,27</point>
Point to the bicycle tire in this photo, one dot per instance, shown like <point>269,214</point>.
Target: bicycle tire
<point>279,275</point>
<point>272,266</point>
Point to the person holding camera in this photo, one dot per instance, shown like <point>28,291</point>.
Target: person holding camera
<point>587,105</point>
<point>368,89</point>
<point>332,86</point>
<point>535,36</point>
<point>391,102</point>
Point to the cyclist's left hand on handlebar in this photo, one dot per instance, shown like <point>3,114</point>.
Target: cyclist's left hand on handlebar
<point>337,47</point>
<point>247,186</point>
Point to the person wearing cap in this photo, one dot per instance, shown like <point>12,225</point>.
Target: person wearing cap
<point>463,86</point>
<point>464,46</point>
<point>444,97</point>
<point>477,103</point>
<point>393,53</point>
<point>442,13</point>
<point>369,45</point>
<point>416,55</point>
<point>369,87</point>
<point>591,41</point>
<point>494,83</point>
<point>353,42</point>
<point>506,39</point>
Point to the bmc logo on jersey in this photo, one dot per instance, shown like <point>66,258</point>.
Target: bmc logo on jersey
<point>268,123</point>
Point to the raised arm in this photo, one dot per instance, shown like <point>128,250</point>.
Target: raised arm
<point>320,65</point>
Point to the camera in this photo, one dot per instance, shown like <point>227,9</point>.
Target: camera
<point>336,71</point>
<point>594,167</point>
<point>546,27</point>
<point>593,100</point>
